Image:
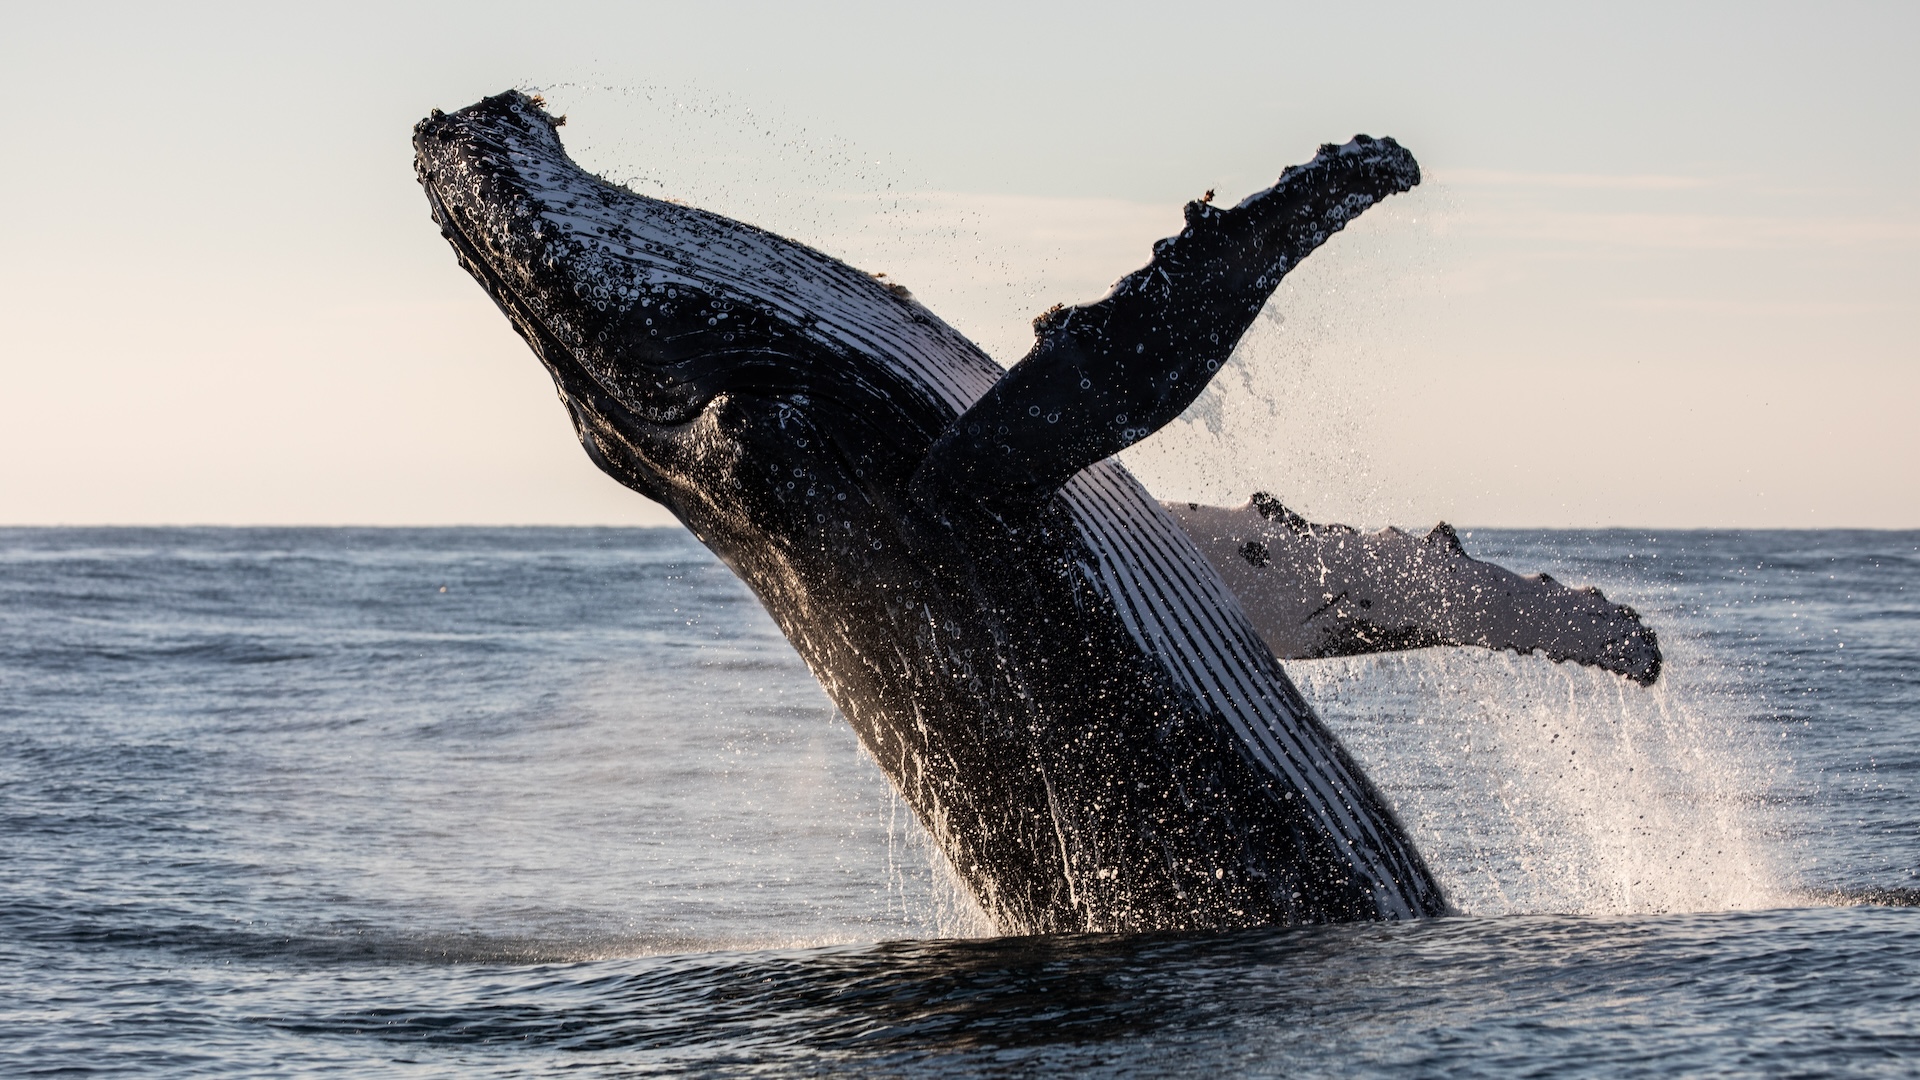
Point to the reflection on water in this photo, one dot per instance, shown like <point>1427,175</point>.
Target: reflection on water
<point>1686,993</point>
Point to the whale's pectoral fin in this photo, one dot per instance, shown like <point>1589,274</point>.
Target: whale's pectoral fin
<point>1105,375</point>
<point>1328,590</point>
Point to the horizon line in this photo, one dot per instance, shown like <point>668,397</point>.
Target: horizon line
<point>682,528</point>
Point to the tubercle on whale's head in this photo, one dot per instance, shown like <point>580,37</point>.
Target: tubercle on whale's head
<point>535,230</point>
<point>1371,167</point>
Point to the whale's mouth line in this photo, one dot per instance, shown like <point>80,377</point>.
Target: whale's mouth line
<point>575,381</point>
<point>502,293</point>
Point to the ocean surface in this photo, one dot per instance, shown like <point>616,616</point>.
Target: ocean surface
<point>384,802</point>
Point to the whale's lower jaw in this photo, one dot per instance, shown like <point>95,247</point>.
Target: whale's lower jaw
<point>1047,669</point>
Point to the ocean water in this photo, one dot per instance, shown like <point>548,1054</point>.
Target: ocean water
<point>528,801</point>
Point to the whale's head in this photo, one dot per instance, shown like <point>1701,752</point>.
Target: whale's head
<point>647,312</point>
<point>552,245</point>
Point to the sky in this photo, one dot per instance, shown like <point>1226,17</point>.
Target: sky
<point>1662,271</point>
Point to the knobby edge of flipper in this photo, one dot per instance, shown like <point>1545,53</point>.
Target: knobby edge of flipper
<point>1102,376</point>
<point>1315,591</point>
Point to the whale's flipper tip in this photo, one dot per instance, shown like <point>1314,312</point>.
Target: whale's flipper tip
<point>1644,661</point>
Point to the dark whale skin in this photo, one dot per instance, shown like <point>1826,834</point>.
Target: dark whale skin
<point>1048,671</point>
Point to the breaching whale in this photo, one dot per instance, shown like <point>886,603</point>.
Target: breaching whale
<point>1050,672</point>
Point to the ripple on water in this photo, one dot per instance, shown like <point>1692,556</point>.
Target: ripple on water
<point>275,804</point>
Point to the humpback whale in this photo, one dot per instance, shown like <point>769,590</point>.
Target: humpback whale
<point>1050,671</point>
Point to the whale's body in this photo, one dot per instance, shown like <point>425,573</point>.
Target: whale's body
<point>1052,675</point>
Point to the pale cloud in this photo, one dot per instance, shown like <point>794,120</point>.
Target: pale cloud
<point>1452,353</point>
<point>1719,232</point>
<point>1566,181</point>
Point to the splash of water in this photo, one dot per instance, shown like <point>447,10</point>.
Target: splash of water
<point>924,891</point>
<point>1532,787</point>
<point>1541,787</point>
